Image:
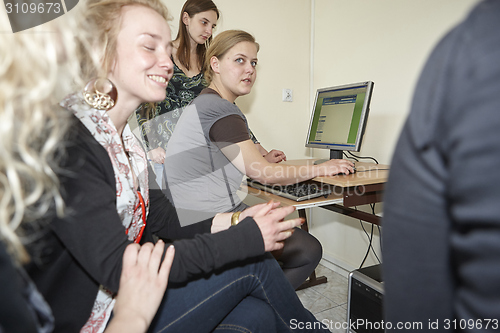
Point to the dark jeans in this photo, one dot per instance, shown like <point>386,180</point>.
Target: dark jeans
<point>251,298</point>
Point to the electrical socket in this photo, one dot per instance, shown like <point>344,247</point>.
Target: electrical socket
<point>287,95</point>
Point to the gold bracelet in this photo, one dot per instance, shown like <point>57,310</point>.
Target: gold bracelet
<point>235,218</point>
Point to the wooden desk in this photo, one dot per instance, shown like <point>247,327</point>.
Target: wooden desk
<point>366,186</point>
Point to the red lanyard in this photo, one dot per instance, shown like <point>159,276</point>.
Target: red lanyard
<point>143,208</point>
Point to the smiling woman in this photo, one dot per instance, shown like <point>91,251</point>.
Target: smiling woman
<point>143,66</point>
<point>220,280</point>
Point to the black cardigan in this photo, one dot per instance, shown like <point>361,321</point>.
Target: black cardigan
<point>85,248</point>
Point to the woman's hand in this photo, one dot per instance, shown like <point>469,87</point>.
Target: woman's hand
<point>142,286</point>
<point>157,155</point>
<point>274,230</point>
<point>222,221</point>
<point>275,156</point>
<point>255,209</point>
<point>334,167</point>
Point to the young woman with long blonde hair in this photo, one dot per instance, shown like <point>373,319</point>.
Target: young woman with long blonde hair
<point>221,280</point>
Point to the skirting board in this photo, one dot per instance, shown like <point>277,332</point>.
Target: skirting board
<point>338,266</point>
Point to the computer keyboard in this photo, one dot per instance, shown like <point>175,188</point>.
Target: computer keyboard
<point>297,192</point>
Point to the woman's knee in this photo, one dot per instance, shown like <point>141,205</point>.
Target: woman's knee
<point>314,248</point>
<point>250,315</point>
<point>302,249</point>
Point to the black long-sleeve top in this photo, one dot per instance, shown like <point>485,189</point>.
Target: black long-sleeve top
<point>84,249</point>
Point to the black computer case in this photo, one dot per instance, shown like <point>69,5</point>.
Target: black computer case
<point>365,300</point>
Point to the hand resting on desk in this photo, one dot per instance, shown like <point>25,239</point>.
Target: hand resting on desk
<point>334,167</point>
<point>275,156</point>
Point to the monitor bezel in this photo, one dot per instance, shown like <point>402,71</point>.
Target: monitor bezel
<point>362,122</point>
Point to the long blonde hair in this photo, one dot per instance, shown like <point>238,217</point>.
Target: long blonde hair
<point>37,67</point>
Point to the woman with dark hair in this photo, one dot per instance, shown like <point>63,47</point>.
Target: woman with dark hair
<point>197,21</point>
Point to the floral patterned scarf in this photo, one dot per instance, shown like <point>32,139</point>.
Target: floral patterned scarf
<point>127,199</point>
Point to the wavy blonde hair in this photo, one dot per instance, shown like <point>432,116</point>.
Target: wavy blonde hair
<point>37,67</point>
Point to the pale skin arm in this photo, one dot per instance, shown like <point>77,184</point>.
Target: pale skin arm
<point>254,165</point>
<point>142,285</point>
<point>261,149</point>
<point>157,155</point>
<point>273,156</point>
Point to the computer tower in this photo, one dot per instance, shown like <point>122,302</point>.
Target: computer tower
<point>365,300</point>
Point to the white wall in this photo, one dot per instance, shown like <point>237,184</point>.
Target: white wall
<point>386,41</point>
<point>282,28</point>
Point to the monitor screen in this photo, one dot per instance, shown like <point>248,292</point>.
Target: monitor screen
<point>339,117</point>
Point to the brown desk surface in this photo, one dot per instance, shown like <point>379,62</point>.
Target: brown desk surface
<point>366,174</point>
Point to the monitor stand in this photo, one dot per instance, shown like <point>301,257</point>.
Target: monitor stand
<point>334,154</point>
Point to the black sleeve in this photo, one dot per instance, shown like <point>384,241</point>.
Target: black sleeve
<point>163,222</point>
<point>93,233</point>
<point>15,312</point>
<point>208,252</point>
<point>91,229</point>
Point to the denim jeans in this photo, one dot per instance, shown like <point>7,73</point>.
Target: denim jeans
<point>255,297</point>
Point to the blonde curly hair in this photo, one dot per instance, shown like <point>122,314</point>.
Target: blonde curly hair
<point>35,72</point>
<point>38,67</point>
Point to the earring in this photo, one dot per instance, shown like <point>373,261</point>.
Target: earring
<point>100,93</point>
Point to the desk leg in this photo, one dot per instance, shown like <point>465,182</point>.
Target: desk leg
<point>313,280</point>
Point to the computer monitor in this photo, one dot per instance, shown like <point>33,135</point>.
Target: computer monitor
<point>339,118</point>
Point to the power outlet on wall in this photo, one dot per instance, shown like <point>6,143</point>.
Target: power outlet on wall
<point>287,95</point>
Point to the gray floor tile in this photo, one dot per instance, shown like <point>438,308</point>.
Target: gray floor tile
<point>328,302</point>
<point>314,301</point>
<point>334,318</point>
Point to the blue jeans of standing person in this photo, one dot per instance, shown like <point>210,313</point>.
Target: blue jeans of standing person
<point>158,169</point>
<point>255,297</point>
